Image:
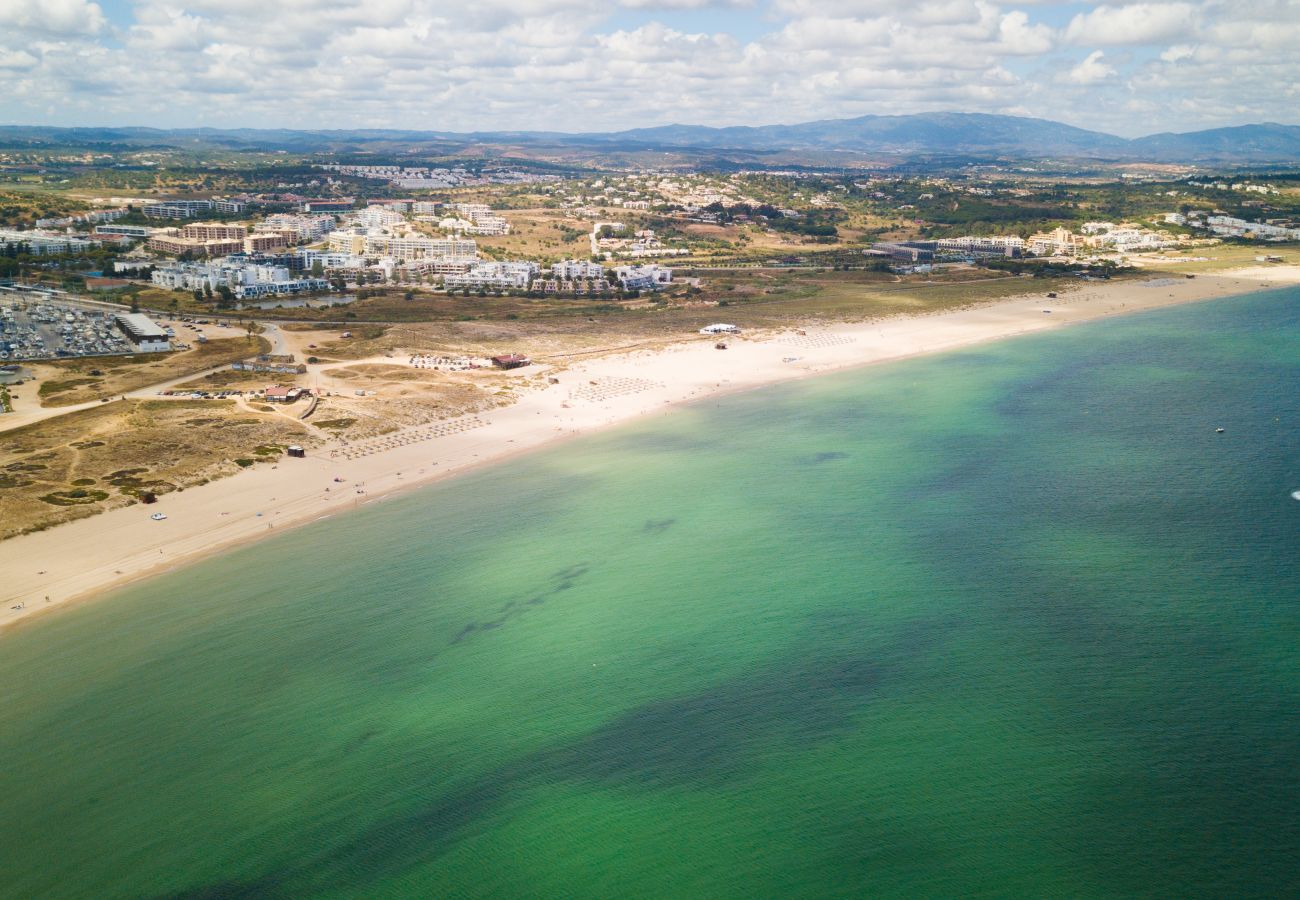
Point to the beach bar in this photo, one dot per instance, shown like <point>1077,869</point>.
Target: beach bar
<point>510,361</point>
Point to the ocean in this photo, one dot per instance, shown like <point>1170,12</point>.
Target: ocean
<point>1013,620</point>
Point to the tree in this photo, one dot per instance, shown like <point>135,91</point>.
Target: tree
<point>198,296</point>
<point>317,269</point>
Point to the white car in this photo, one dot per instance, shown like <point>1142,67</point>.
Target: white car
<point>158,517</point>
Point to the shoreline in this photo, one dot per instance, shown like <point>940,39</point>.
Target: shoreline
<point>81,560</point>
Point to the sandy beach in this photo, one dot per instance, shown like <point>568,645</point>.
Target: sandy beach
<point>79,560</point>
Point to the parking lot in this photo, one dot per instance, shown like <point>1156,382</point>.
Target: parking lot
<point>34,327</point>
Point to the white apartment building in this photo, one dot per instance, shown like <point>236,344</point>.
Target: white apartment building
<point>45,242</point>
<point>246,279</point>
<point>376,242</point>
<point>1230,226</point>
<point>304,229</point>
<point>177,209</point>
<point>1011,245</point>
<point>497,275</point>
<point>377,217</point>
<point>1131,240</point>
<point>478,219</point>
<point>648,277</point>
<point>575,269</point>
<point>136,231</point>
<point>330,259</point>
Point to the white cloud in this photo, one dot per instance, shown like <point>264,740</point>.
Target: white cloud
<point>52,16</point>
<point>1091,71</point>
<point>16,59</point>
<point>1139,23</point>
<point>589,65</point>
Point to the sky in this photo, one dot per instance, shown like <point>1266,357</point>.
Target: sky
<point>1128,68</point>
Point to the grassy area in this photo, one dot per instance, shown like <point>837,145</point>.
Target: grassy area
<point>553,330</point>
<point>794,292</point>
<point>51,472</point>
<point>6,404</point>
<point>1221,257</point>
<point>118,375</point>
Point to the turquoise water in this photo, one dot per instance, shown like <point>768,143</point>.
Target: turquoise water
<point>1009,621</point>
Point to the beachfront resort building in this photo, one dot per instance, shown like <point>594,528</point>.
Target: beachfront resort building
<point>1058,242</point>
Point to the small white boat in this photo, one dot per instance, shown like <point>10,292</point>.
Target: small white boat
<point>158,517</point>
<point>1295,495</point>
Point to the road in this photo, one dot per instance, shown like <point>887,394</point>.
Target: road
<point>27,409</point>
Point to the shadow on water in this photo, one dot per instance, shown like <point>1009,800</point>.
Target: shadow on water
<point>560,581</point>
<point>707,738</point>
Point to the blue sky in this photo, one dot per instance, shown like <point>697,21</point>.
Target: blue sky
<point>590,65</point>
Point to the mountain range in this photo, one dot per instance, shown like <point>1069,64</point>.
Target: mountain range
<point>922,134</point>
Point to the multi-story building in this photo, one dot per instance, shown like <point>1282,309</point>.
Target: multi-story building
<point>176,244</point>
<point>574,269</point>
<point>45,242</point>
<point>302,228</point>
<point>1059,242</point>
<point>648,277</point>
<point>176,209</point>
<point>1010,245</point>
<point>479,219</point>
<point>328,259</point>
<point>377,217</point>
<point>214,231</point>
<point>343,204</point>
<point>496,275</point>
<point>245,277</point>
<point>376,243</point>
<point>234,207</point>
<point>1234,227</point>
<point>135,231</point>
<point>264,243</point>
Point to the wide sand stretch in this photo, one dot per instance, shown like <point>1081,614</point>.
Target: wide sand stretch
<point>42,571</point>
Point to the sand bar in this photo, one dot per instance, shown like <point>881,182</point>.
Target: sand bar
<point>46,570</point>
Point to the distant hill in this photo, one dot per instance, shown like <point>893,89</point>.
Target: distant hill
<point>923,133</point>
<point>973,134</point>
